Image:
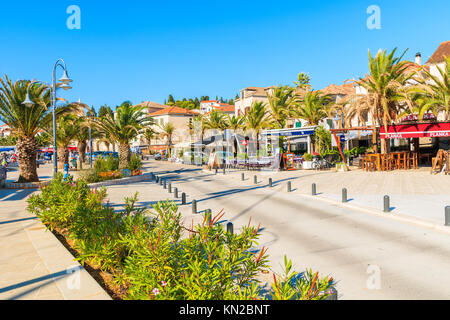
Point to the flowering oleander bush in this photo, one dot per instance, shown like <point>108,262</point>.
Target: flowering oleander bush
<point>152,255</point>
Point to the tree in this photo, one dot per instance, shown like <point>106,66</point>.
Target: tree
<point>168,130</point>
<point>303,81</point>
<point>149,134</point>
<point>433,93</point>
<point>104,110</point>
<point>66,131</point>
<point>124,126</point>
<point>256,119</point>
<point>25,121</point>
<point>386,91</point>
<point>313,107</point>
<point>170,100</point>
<point>235,123</point>
<point>281,101</point>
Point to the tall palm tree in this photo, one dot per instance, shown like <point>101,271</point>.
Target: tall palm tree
<point>127,122</point>
<point>257,119</point>
<point>26,121</point>
<point>386,92</point>
<point>235,123</point>
<point>66,131</point>
<point>168,130</point>
<point>433,92</point>
<point>149,134</point>
<point>281,101</point>
<point>313,107</point>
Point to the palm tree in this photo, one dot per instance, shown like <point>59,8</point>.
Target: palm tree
<point>235,123</point>
<point>302,82</point>
<point>66,131</point>
<point>281,102</point>
<point>149,134</point>
<point>127,122</point>
<point>433,93</point>
<point>257,119</point>
<point>167,131</point>
<point>313,107</point>
<point>26,121</point>
<point>386,91</point>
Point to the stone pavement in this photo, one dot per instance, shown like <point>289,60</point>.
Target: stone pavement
<point>33,263</point>
<point>415,193</point>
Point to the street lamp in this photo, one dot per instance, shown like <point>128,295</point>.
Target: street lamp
<point>65,85</point>
<point>65,80</point>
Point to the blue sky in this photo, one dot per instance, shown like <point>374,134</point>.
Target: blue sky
<point>145,50</point>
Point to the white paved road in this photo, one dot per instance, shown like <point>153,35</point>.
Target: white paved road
<point>350,245</point>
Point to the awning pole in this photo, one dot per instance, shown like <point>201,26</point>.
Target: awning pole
<point>338,142</point>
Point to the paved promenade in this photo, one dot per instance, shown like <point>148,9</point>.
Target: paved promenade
<point>34,265</point>
<point>320,234</point>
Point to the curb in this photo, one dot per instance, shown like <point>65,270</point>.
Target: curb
<point>142,177</point>
<point>27,185</point>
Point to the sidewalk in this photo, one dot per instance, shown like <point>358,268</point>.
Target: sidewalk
<point>34,265</point>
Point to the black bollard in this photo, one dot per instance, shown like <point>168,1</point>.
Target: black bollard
<point>224,170</point>
<point>270,182</point>
<point>333,295</point>
<point>164,184</point>
<point>314,190</point>
<point>230,228</point>
<point>255,179</point>
<point>344,195</point>
<point>289,186</point>
<point>170,187</point>
<point>242,176</point>
<point>194,206</point>
<point>156,179</point>
<point>160,181</point>
<point>387,206</point>
<point>175,191</point>
<point>183,198</point>
<point>216,170</point>
<point>447,215</point>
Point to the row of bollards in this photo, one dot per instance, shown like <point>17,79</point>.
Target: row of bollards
<point>168,186</point>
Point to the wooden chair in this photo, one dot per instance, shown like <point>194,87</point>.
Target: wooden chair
<point>402,160</point>
<point>387,162</point>
<point>413,160</point>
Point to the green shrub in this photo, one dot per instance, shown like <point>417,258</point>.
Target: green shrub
<point>109,163</point>
<point>152,255</point>
<point>135,162</point>
<point>308,156</point>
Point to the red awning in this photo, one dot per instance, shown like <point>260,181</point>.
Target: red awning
<point>418,130</point>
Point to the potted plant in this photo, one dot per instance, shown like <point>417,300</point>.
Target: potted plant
<point>307,161</point>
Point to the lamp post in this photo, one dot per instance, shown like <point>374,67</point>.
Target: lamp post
<point>65,85</point>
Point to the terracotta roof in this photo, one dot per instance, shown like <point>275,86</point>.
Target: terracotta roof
<point>345,89</point>
<point>151,104</point>
<point>225,108</point>
<point>173,110</point>
<point>442,51</point>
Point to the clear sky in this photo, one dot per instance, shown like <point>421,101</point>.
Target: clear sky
<point>145,50</point>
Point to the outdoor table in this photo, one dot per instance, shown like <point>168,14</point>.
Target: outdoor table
<point>377,158</point>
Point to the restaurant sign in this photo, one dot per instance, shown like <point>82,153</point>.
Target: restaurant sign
<point>419,130</point>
